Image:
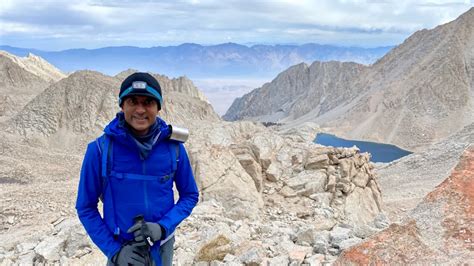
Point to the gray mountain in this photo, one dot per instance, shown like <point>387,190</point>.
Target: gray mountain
<point>80,103</point>
<point>21,79</point>
<point>420,92</point>
<point>297,91</point>
<point>417,94</point>
<point>77,107</point>
<point>36,65</point>
<point>198,61</point>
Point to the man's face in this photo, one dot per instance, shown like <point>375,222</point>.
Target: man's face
<point>140,113</point>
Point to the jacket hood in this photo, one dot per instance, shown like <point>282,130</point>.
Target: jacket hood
<point>118,130</point>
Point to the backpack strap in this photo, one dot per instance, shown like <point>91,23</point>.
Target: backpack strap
<point>175,157</point>
<point>105,145</point>
<point>177,152</point>
<point>105,150</point>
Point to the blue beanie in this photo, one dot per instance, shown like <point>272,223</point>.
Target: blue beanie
<point>140,83</point>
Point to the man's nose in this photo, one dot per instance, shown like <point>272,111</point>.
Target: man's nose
<point>140,108</point>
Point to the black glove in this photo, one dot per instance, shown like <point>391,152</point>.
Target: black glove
<point>130,254</point>
<point>146,232</point>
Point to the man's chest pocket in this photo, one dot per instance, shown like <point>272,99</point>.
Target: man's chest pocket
<point>130,180</point>
<point>139,189</point>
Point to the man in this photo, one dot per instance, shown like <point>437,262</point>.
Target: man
<point>131,168</point>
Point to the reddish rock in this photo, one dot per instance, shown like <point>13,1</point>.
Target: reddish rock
<point>439,230</point>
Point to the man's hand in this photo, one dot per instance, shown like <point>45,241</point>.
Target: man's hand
<point>129,254</point>
<point>145,232</point>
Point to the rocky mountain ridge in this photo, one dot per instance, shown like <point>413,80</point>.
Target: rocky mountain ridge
<point>417,94</point>
<point>79,106</point>
<point>297,91</point>
<point>80,103</point>
<point>422,100</point>
<point>36,65</point>
<point>21,79</point>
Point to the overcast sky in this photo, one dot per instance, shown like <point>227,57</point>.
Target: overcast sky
<point>58,25</point>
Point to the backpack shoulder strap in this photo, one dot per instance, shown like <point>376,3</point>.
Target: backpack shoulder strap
<point>105,145</point>
<point>105,150</point>
<point>174,156</point>
<point>176,147</point>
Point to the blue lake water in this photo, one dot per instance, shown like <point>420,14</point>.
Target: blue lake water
<point>380,152</point>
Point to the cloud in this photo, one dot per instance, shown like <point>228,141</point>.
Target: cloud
<point>48,15</point>
<point>95,23</point>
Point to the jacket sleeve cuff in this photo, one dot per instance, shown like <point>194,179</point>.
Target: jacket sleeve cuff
<point>114,252</point>
<point>164,233</point>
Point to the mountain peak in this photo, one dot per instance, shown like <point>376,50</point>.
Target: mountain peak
<point>124,74</point>
<point>37,66</point>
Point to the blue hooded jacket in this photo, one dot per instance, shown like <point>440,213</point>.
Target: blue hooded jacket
<point>134,186</point>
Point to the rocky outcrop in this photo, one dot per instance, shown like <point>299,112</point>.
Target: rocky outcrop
<point>438,230</point>
<point>248,160</point>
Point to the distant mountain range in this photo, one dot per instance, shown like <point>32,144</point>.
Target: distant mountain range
<point>198,61</point>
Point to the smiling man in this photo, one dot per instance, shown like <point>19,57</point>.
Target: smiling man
<point>131,168</point>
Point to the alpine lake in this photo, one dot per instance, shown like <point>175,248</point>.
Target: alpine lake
<point>381,153</point>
